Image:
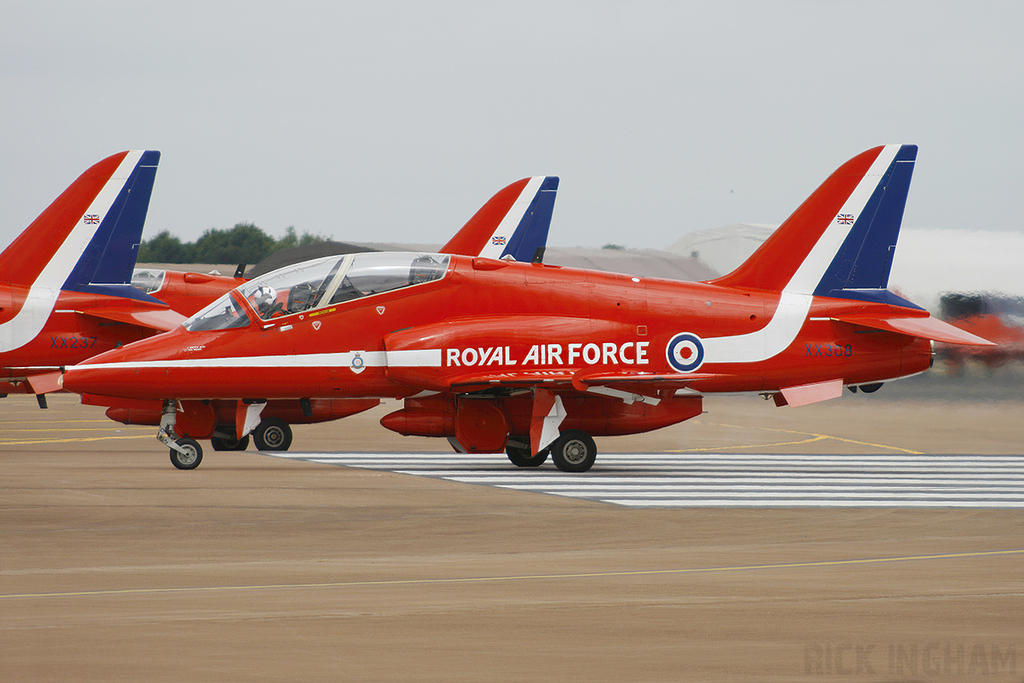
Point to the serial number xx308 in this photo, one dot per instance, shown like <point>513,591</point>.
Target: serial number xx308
<point>828,350</point>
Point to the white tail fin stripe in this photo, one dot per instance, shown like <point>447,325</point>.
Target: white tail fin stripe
<point>805,279</point>
<point>507,227</point>
<point>42,296</point>
<point>796,298</point>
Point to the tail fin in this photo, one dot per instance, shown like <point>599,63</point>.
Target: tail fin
<point>840,242</point>
<point>87,240</point>
<point>514,222</point>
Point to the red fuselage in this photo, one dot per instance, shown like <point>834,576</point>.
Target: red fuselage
<point>487,319</point>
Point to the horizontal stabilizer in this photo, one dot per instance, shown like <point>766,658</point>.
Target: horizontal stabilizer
<point>923,327</point>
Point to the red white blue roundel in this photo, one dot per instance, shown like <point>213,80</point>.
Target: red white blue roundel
<point>685,352</point>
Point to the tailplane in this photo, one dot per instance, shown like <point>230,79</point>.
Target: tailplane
<point>513,223</point>
<point>841,241</point>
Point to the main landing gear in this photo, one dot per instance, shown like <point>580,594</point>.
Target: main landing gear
<point>573,451</point>
<point>272,434</point>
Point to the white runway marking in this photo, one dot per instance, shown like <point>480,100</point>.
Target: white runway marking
<point>675,480</point>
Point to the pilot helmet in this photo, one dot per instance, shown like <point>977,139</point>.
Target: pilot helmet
<point>264,294</point>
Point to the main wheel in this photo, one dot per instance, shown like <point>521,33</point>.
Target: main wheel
<point>220,443</point>
<point>273,434</point>
<point>522,457</point>
<point>574,451</point>
<point>190,459</point>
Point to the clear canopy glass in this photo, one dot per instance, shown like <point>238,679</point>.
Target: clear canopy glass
<point>324,282</point>
<point>148,280</point>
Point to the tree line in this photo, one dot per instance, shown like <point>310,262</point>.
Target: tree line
<point>244,243</point>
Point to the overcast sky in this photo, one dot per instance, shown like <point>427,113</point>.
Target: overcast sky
<point>395,121</point>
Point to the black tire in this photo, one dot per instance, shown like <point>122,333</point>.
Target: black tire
<point>870,388</point>
<point>574,451</point>
<point>221,443</point>
<point>191,458</point>
<point>521,457</point>
<point>273,434</point>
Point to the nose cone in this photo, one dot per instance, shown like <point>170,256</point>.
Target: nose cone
<point>127,372</point>
<point>102,374</point>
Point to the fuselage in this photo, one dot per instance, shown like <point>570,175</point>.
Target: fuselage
<point>486,318</point>
<point>68,333</point>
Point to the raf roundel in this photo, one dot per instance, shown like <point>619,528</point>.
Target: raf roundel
<point>685,352</point>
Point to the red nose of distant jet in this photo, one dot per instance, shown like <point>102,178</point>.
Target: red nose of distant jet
<point>128,372</point>
<point>96,376</point>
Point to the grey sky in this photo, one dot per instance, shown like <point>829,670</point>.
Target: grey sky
<point>397,120</point>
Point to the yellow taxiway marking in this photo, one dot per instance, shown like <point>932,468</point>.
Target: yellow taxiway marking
<point>813,437</point>
<point>54,425</point>
<point>77,439</point>
<point>79,429</point>
<point>498,579</point>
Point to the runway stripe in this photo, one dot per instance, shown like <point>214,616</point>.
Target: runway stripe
<point>678,480</point>
<point>495,579</point>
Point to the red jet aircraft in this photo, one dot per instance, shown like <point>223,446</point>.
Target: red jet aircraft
<point>512,225</point>
<point>68,290</point>
<point>64,282</point>
<point>534,359</point>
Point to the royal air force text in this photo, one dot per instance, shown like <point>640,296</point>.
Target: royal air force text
<point>551,355</point>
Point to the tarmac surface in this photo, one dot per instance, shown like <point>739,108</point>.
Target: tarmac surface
<point>114,566</point>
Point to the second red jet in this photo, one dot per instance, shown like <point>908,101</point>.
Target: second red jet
<point>536,360</point>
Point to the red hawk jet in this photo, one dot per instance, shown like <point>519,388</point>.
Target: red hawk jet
<point>535,360</point>
<point>68,290</point>
<point>64,282</point>
<point>512,225</point>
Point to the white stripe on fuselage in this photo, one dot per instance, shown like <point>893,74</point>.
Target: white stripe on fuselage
<point>511,221</point>
<point>42,296</point>
<point>797,295</point>
<point>430,358</point>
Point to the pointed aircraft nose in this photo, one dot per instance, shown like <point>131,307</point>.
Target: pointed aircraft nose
<point>96,376</point>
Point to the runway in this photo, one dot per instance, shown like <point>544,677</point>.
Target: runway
<point>755,544</point>
<point>672,480</point>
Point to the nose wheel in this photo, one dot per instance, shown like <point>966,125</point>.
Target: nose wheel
<point>188,455</point>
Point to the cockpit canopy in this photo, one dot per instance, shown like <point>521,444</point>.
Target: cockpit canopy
<point>148,280</point>
<point>319,283</point>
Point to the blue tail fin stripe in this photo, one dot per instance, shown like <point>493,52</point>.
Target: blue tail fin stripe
<point>865,258</point>
<point>108,260</point>
<point>532,231</point>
